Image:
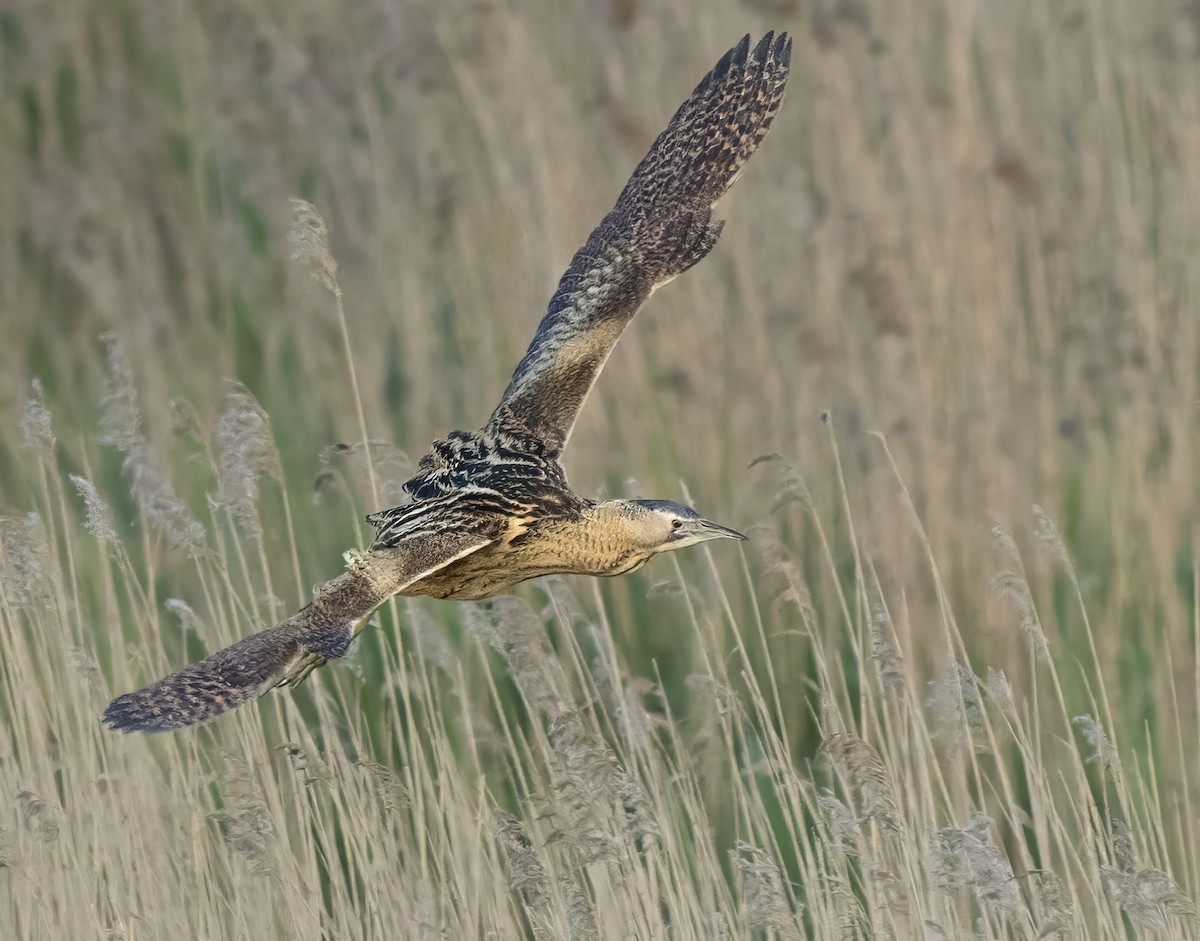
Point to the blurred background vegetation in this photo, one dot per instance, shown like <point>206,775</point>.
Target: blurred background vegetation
<point>972,230</point>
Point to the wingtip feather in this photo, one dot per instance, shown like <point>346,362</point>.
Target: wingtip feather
<point>764,47</point>
<point>174,702</point>
<point>207,688</point>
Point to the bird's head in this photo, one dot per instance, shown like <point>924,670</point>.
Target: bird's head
<point>662,525</point>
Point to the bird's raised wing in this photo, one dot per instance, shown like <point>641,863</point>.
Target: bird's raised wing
<point>287,652</point>
<point>661,226</point>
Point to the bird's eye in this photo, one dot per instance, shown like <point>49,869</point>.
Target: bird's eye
<point>675,524</point>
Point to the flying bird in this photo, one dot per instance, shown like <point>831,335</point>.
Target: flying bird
<point>492,508</point>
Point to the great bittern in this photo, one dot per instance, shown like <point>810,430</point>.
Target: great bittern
<point>492,508</point>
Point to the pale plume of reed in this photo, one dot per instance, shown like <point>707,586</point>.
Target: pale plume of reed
<point>307,765</point>
<point>1151,898</point>
<point>595,805</point>
<point>8,852</point>
<point>625,698</point>
<point>1051,541</point>
<point>186,614</point>
<point>245,452</point>
<point>794,591</point>
<point>121,426</point>
<point>24,561</point>
<point>1011,585</point>
<point>563,601</point>
<point>956,703</point>
<point>588,808</point>
<point>121,416</point>
<point>791,486</point>
<point>1000,692</point>
<point>1101,750</point>
<point>83,664</point>
<point>511,627</point>
<point>1013,588</point>
<point>866,780</point>
<point>842,822</point>
<point>885,652</point>
<point>627,704</point>
<point>1057,906</point>
<point>391,795</point>
<point>99,519</point>
<point>581,913</point>
<point>1122,843</point>
<point>969,857</point>
<point>249,829</point>
<point>527,876</point>
<point>765,900</point>
<point>309,238</point>
<point>37,430</point>
<point>41,819</point>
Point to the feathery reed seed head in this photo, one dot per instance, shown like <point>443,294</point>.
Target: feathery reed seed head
<point>37,429</point>
<point>309,238</point>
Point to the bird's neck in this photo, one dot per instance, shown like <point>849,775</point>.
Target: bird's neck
<point>608,539</point>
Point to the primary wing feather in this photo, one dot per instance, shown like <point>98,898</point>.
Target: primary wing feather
<point>661,226</point>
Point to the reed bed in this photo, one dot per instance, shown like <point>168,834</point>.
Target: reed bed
<point>942,368</point>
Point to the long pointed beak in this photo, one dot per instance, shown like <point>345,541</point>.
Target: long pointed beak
<point>707,529</point>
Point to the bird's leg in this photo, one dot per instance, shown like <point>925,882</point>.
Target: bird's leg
<point>298,670</point>
<point>312,659</point>
<point>339,612</point>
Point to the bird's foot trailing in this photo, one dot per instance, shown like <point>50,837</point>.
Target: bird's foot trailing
<point>298,671</point>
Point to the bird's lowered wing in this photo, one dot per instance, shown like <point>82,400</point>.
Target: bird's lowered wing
<point>661,226</point>
<point>287,652</point>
